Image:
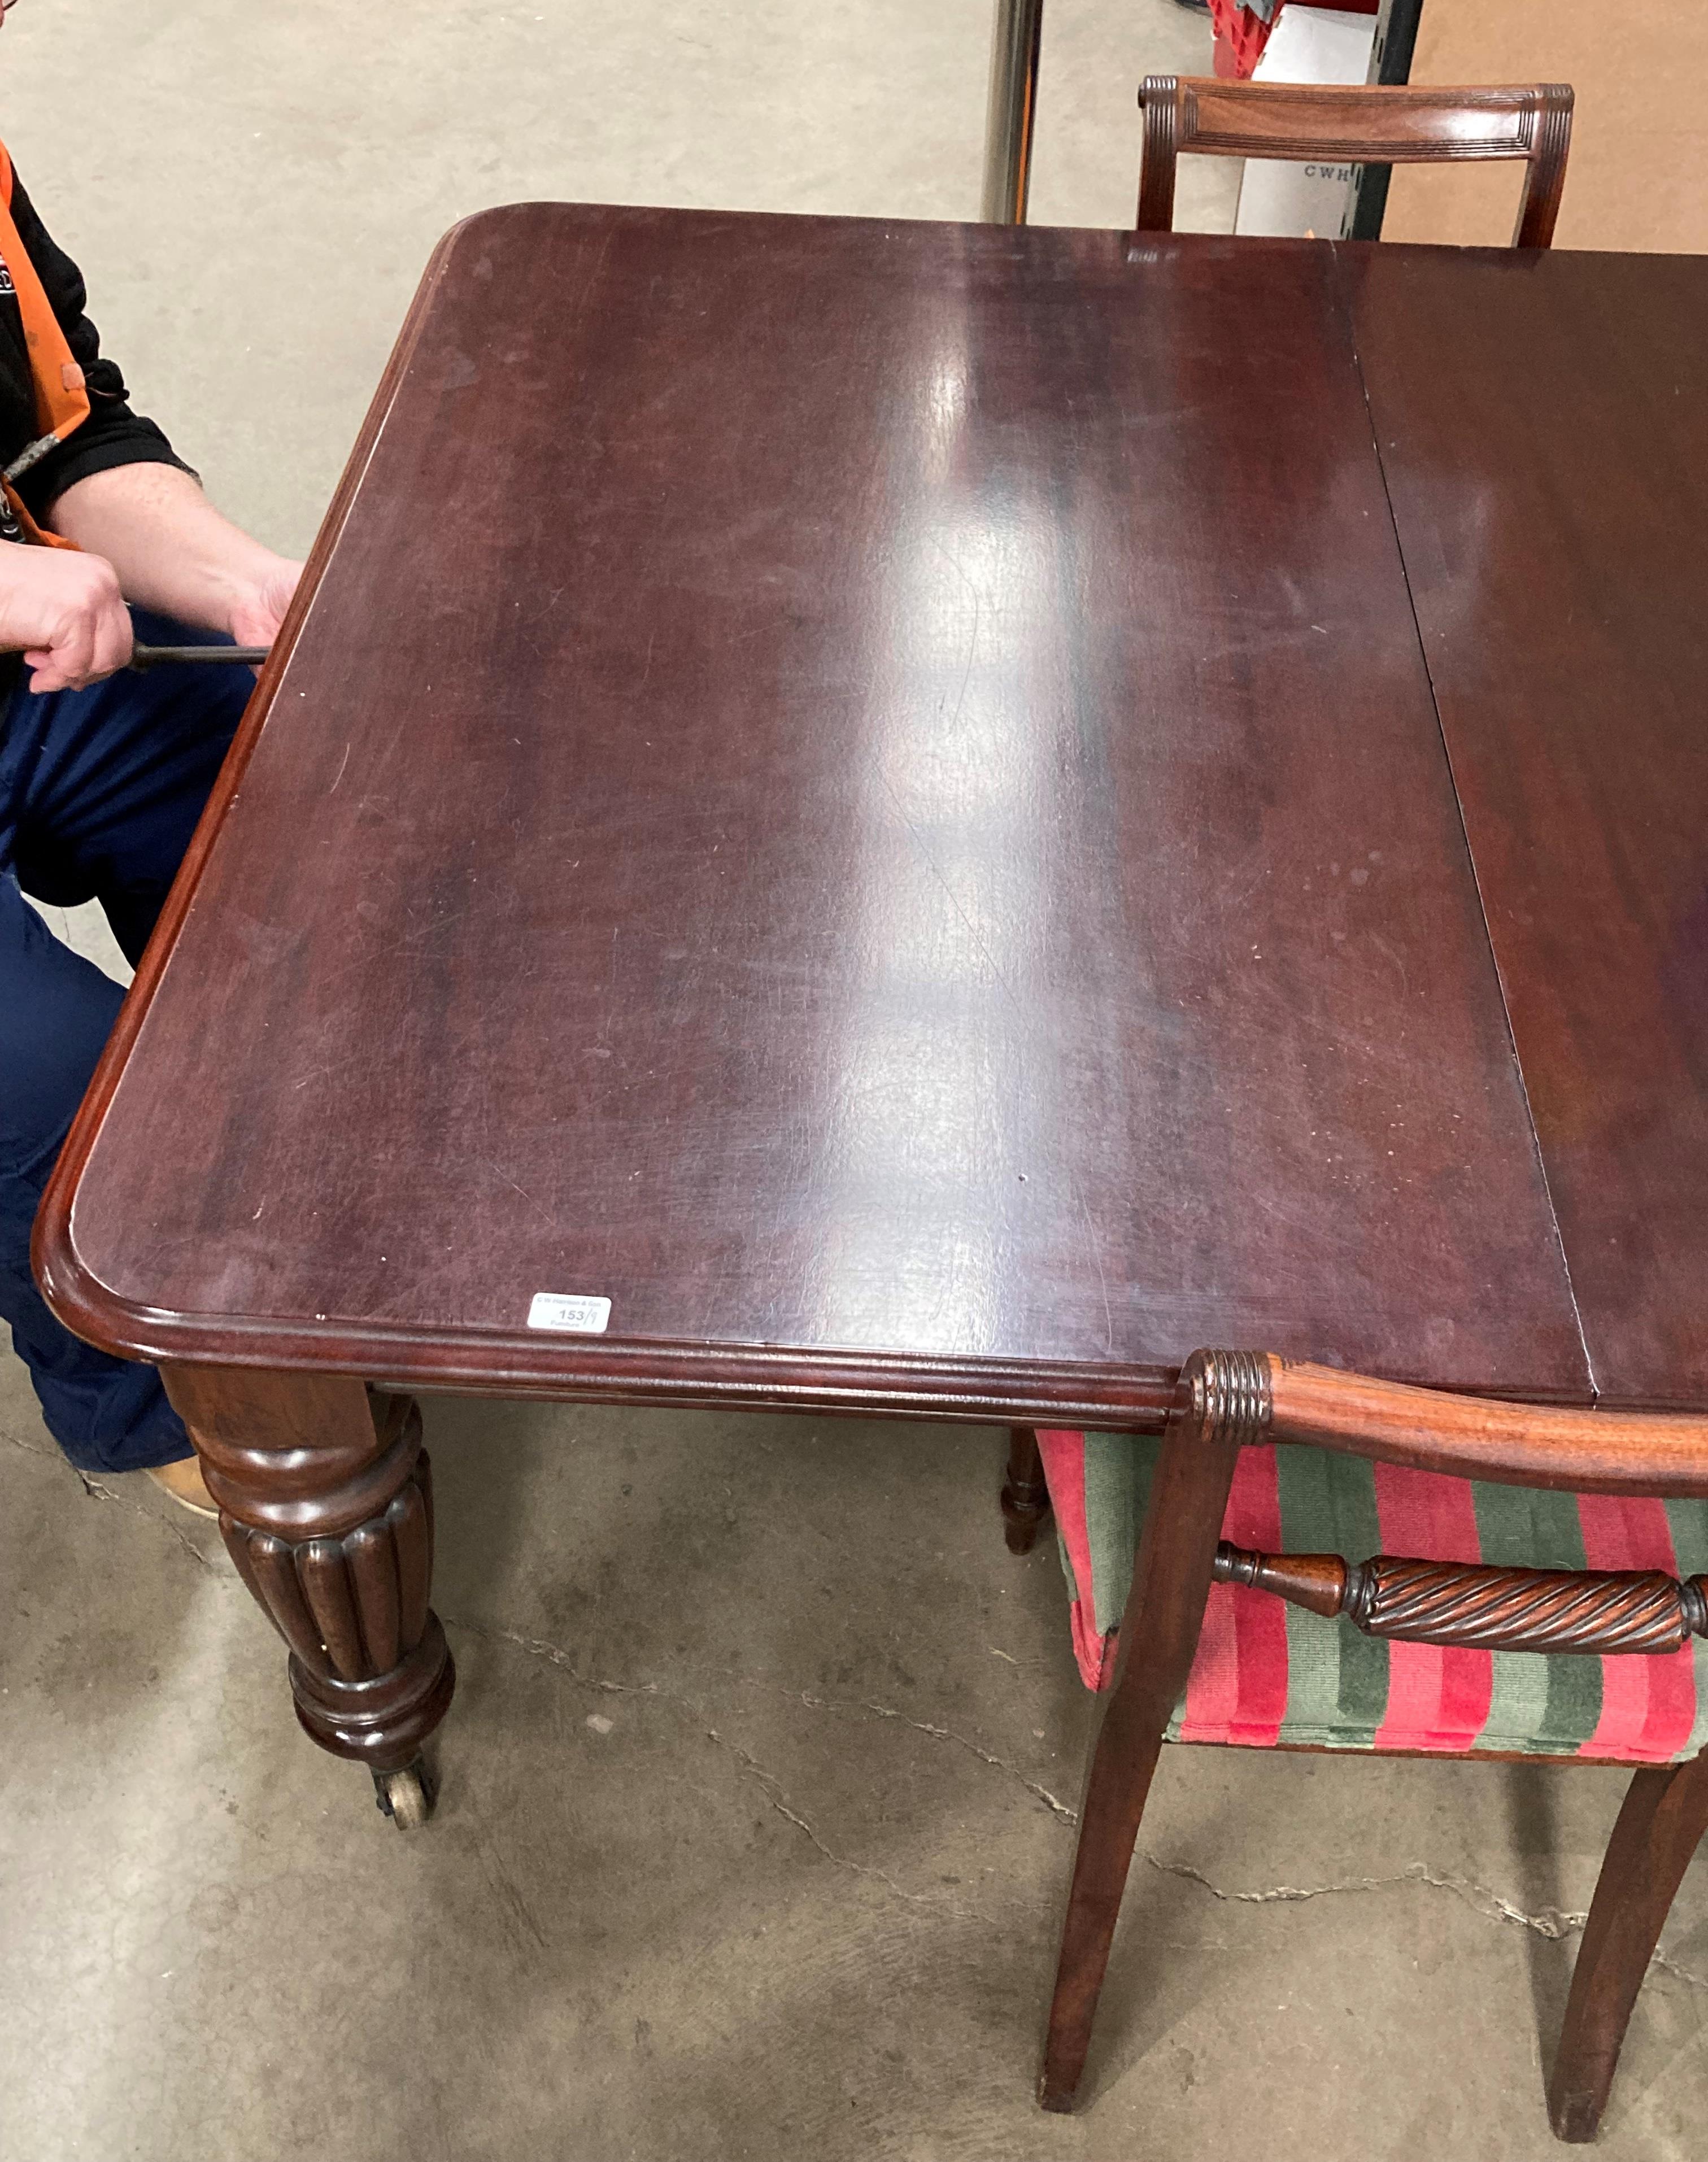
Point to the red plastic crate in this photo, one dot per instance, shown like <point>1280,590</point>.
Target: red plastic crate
<point>1241,35</point>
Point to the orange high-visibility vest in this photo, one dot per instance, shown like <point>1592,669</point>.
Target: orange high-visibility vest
<point>61,400</point>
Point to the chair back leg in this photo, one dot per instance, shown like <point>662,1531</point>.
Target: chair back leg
<point>1665,1816</point>
<point>1159,1635</point>
<point>1025,1494</point>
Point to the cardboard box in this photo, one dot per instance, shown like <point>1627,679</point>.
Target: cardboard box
<point>1638,177</point>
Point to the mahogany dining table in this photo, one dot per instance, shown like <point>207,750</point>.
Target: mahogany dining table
<point>918,820</point>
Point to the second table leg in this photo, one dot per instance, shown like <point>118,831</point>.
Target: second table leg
<point>326,1504</point>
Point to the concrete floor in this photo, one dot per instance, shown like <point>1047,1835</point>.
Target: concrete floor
<point>753,1819</point>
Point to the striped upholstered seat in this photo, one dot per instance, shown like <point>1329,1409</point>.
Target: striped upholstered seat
<point>1267,1673</point>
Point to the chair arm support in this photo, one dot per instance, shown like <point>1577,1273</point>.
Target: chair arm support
<point>1474,1438</point>
<point>1256,1396</point>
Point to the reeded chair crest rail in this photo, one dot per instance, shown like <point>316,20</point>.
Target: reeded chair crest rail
<point>1394,126</point>
<point>1229,1400</point>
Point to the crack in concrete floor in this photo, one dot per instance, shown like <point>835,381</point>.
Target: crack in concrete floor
<point>1552,1922</point>
<point>94,1488</point>
<point>540,1648</point>
<point>774,1794</point>
<point>98,1492</point>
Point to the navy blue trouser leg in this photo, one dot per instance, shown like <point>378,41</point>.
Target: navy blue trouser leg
<point>100,790</point>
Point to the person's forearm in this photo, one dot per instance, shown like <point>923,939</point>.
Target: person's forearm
<point>172,550</point>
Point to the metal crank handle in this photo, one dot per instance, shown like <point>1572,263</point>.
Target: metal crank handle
<point>159,656</point>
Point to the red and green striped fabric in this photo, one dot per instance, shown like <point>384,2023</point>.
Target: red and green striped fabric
<point>1266,1671</point>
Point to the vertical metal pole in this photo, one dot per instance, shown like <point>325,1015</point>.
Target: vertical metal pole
<point>1390,62</point>
<point>1014,96</point>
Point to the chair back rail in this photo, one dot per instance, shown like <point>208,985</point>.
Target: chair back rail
<point>1409,124</point>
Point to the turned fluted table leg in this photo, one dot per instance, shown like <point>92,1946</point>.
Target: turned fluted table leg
<point>327,1505</point>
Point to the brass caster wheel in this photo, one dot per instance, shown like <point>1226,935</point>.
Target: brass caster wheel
<point>404,1796</point>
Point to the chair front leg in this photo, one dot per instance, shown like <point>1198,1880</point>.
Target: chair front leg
<point>1665,1816</point>
<point>1158,1637</point>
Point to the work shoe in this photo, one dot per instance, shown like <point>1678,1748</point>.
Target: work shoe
<point>184,1483</point>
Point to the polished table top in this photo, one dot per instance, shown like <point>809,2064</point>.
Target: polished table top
<point>1545,438</point>
<point>869,794</point>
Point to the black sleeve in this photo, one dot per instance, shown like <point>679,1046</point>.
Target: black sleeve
<point>112,434</point>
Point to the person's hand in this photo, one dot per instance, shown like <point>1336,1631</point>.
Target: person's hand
<point>64,611</point>
<point>259,609</point>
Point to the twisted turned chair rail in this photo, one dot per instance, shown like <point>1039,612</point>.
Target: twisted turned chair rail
<point>1390,125</point>
<point>1483,1608</point>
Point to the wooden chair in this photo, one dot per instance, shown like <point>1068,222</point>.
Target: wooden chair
<point>1394,127</point>
<point>1229,1401</point>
